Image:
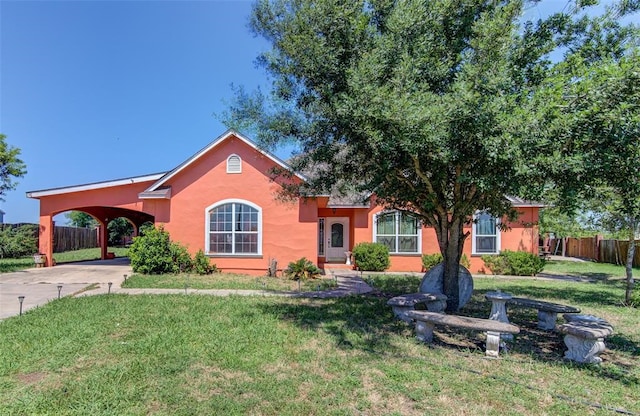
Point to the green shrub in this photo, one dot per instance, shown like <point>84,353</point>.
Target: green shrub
<point>202,265</point>
<point>302,269</point>
<point>432,260</point>
<point>371,257</point>
<point>515,263</point>
<point>16,242</point>
<point>464,260</point>
<point>523,263</point>
<point>155,253</point>
<point>496,263</point>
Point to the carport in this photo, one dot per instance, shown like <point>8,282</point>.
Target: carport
<point>104,201</point>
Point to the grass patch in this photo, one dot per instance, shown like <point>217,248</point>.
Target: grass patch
<point>87,254</point>
<point>14,265</point>
<point>177,354</point>
<point>587,269</point>
<point>230,281</point>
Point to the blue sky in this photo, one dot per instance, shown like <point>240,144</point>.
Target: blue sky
<point>100,90</point>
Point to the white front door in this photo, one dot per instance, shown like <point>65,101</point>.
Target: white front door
<point>337,238</point>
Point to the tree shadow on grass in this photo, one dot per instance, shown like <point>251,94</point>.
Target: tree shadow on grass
<point>353,322</point>
<point>549,347</point>
<point>571,294</point>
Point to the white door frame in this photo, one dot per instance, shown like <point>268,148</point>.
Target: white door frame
<point>336,253</point>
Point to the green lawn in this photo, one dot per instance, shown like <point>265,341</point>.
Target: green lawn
<point>87,254</point>
<point>183,355</point>
<point>226,281</point>
<point>587,269</point>
<point>13,265</point>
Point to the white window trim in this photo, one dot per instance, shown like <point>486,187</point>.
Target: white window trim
<point>397,235</point>
<point>474,235</point>
<point>208,230</point>
<point>239,164</point>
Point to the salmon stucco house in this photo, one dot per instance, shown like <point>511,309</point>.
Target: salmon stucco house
<point>223,200</point>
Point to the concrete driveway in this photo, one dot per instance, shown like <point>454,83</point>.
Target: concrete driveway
<point>39,286</point>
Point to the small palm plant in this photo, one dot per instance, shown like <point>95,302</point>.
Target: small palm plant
<point>302,269</point>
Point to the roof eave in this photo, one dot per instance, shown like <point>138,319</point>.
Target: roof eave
<point>93,186</point>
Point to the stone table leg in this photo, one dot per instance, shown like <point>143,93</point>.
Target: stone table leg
<point>547,320</point>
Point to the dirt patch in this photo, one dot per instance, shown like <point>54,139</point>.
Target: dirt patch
<point>31,378</point>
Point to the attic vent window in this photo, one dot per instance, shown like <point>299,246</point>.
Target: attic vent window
<point>234,164</point>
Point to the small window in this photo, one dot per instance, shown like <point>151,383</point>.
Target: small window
<point>321,237</point>
<point>398,231</point>
<point>234,164</point>
<point>486,235</point>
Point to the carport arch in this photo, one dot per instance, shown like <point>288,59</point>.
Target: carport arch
<point>104,215</point>
<point>104,201</point>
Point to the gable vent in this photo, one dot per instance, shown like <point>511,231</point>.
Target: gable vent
<point>234,164</point>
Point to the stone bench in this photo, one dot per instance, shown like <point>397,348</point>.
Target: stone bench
<point>584,337</point>
<point>426,322</point>
<point>435,302</point>
<point>547,311</point>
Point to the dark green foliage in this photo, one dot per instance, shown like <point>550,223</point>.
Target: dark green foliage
<point>496,263</point>
<point>431,260</point>
<point>19,241</point>
<point>635,299</point>
<point>10,166</point>
<point>155,253</point>
<point>119,229</point>
<point>81,219</point>
<point>302,269</point>
<point>371,257</point>
<point>202,265</point>
<point>516,263</point>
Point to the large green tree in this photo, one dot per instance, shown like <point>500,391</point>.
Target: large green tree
<point>431,105</point>
<point>81,219</point>
<point>603,138</point>
<point>11,166</point>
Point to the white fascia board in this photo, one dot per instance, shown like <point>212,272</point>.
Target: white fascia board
<point>210,146</point>
<point>93,186</point>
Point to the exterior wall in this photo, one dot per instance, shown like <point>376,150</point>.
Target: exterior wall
<point>522,235</point>
<point>125,196</point>
<point>289,229</point>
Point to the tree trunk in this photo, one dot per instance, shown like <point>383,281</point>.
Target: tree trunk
<point>629,264</point>
<point>451,244</point>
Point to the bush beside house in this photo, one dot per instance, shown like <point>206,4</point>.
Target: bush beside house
<point>515,263</point>
<point>371,257</point>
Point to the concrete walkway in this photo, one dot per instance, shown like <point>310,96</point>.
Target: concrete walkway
<point>39,286</point>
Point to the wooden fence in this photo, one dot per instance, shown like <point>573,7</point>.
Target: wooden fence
<point>73,238</point>
<point>66,238</point>
<point>597,249</point>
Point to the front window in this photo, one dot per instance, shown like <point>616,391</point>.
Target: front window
<point>399,231</point>
<point>486,237</point>
<point>234,228</point>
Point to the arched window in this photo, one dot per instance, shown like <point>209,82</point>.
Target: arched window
<point>234,164</point>
<point>234,227</point>
<point>399,231</point>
